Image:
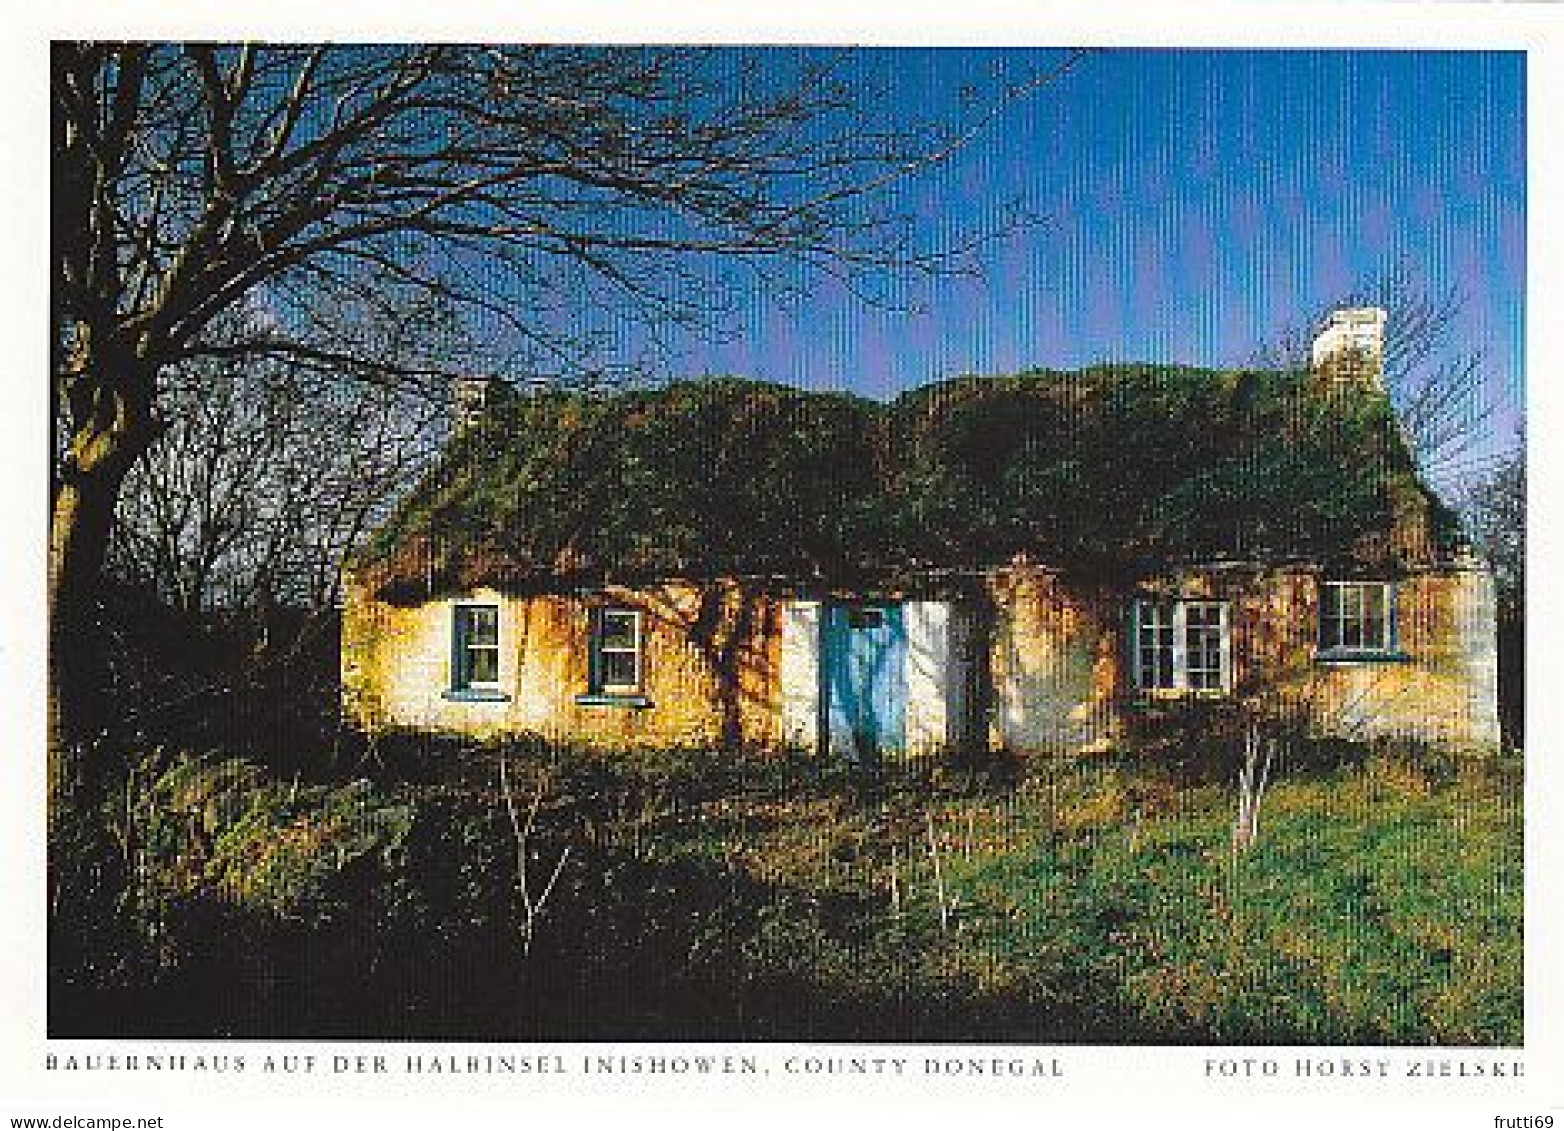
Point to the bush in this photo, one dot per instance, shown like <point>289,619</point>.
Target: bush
<point>206,834</point>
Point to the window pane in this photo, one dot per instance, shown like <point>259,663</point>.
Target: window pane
<point>1179,644</point>
<point>483,665</point>
<point>479,624</point>
<point>618,669</point>
<point>477,636</point>
<point>1356,614</point>
<point>865,618</point>
<point>1375,616</point>
<point>1203,633</point>
<point>618,629</point>
<point>1330,616</point>
<point>1154,655</point>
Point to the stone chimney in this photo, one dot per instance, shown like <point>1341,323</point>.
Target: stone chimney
<point>1350,350</point>
<point>471,399</point>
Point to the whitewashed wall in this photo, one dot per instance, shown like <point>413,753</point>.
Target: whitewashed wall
<point>936,676</point>
<point>799,672</point>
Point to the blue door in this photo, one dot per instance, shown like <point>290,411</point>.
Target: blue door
<point>865,679</point>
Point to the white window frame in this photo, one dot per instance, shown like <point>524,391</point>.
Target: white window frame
<point>1149,611</point>
<point>462,647</point>
<point>597,681</point>
<point>1386,645</point>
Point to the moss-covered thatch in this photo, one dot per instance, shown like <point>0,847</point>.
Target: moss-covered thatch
<point>1101,470</point>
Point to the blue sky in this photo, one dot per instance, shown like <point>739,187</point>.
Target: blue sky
<point>1190,203</point>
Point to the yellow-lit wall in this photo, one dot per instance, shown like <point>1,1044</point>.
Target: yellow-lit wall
<point>1044,669</point>
<point>1059,657</point>
<point>711,657</point>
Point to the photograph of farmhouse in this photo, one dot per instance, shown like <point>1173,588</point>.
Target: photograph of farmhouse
<point>786,544</point>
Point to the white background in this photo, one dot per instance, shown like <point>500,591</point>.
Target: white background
<point>1102,1087</point>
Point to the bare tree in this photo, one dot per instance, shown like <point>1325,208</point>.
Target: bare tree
<point>1254,775</point>
<point>229,533</point>
<point>542,189</point>
<point>1495,512</point>
<point>263,476</point>
<point>1438,384</point>
<point>533,901</point>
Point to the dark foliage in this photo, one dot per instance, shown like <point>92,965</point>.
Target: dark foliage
<point>259,682</point>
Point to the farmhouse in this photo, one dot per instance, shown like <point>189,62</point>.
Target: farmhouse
<point>1040,563</point>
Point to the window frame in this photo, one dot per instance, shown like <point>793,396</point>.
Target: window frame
<point>597,680</point>
<point>462,648</point>
<point>1388,647</point>
<point>1175,612</point>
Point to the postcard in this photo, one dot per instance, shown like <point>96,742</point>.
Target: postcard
<point>893,561</point>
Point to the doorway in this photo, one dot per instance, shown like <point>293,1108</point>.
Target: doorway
<point>864,667</point>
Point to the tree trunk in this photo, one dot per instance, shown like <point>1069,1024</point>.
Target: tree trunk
<point>79,531</point>
<point>111,425</point>
<point>100,453</point>
<point>86,874</point>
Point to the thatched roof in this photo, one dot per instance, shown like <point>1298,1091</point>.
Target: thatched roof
<point>1104,469</point>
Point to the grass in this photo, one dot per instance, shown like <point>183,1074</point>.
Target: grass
<point>710,896</point>
<point>1102,900</point>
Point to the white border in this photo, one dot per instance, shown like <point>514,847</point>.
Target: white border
<point>1140,1082</point>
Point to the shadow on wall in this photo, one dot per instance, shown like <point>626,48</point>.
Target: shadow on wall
<point>729,626</point>
<point>1051,660</point>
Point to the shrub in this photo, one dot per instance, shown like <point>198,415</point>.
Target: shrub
<point>216,834</point>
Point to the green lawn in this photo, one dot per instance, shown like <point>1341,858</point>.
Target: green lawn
<point>1098,900</point>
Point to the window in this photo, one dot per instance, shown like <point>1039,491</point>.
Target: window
<point>616,652</point>
<point>1182,646</point>
<point>858,617</point>
<point>476,654</point>
<point>1357,617</point>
